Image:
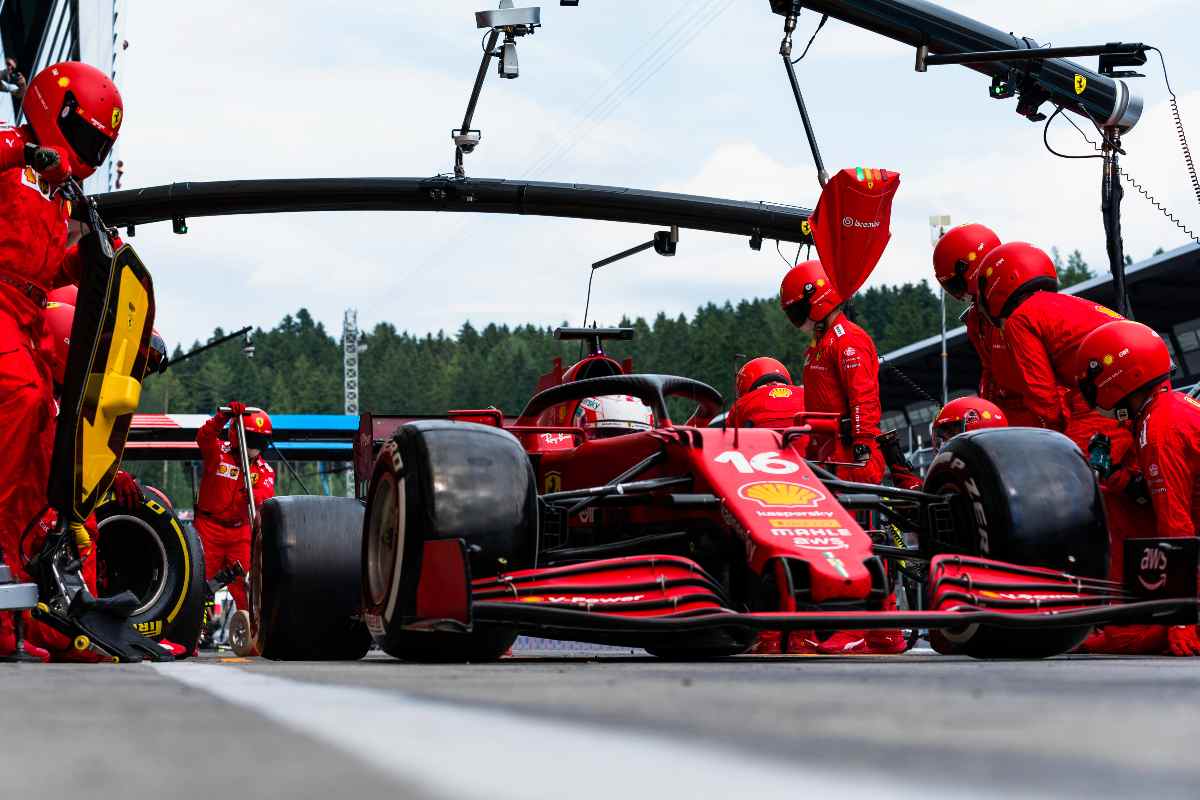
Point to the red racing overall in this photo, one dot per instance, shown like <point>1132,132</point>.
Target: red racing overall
<point>1043,335</point>
<point>841,375</point>
<point>33,259</point>
<point>772,406</point>
<point>222,516</point>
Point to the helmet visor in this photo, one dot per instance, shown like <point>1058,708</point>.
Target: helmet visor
<point>799,311</point>
<point>90,144</point>
<point>945,432</point>
<point>957,283</point>
<point>257,441</point>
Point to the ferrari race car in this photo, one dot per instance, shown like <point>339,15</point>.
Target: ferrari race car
<point>686,539</point>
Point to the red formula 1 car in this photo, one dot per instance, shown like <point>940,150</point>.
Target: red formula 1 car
<point>686,539</point>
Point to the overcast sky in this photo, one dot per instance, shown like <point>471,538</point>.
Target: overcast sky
<point>675,95</point>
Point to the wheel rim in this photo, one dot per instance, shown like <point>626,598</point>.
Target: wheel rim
<point>135,559</point>
<point>385,539</point>
<point>239,632</point>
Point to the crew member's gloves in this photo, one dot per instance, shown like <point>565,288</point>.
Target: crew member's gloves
<point>126,490</point>
<point>236,408</point>
<point>1100,454</point>
<point>862,453</point>
<point>49,162</point>
<point>1182,640</point>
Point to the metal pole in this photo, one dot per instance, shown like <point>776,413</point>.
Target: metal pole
<point>945,356</point>
<point>1111,194</point>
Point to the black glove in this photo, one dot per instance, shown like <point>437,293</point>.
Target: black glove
<point>1136,489</point>
<point>1100,454</point>
<point>862,453</point>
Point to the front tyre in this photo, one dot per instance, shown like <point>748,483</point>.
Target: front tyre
<point>438,479</point>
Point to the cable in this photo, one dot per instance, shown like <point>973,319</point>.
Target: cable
<point>1046,137</point>
<point>1135,184</point>
<point>1179,131</point>
<point>782,256</point>
<point>821,24</point>
<point>910,382</point>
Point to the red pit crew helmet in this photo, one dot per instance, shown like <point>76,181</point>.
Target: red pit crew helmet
<point>258,429</point>
<point>612,415</point>
<point>806,293</point>
<point>156,360</point>
<point>759,372</point>
<point>76,108</point>
<point>68,294</point>
<point>957,257</point>
<point>964,414</point>
<point>55,342</point>
<point>1009,274</point>
<point>1116,360</point>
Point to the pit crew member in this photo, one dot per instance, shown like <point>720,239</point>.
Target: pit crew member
<point>841,375</point>
<point>766,397</point>
<point>74,113</point>
<point>1123,371</point>
<point>960,415</point>
<point>222,509</point>
<point>1043,329</point>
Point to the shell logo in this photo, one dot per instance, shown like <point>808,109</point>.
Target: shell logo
<point>820,282</point>
<point>1108,360</point>
<point>780,494</point>
<point>1108,312</point>
<point>987,415</point>
<point>780,391</point>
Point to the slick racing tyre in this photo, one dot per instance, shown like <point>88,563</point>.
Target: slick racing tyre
<point>444,480</point>
<point>147,551</point>
<point>1035,502</point>
<point>307,591</point>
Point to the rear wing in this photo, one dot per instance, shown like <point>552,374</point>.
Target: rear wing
<point>299,437</point>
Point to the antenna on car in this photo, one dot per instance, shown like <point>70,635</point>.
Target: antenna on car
<point>664,243</point>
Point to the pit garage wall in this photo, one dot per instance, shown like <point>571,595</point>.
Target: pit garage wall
<point>101,34</point>
<point>41,32</point>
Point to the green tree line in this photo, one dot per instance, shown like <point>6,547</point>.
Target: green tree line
<point>297,365</point>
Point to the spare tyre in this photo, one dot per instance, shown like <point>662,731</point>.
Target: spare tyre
<point>1034,502</point>
<point>438,479</point>
<point>306,594</point>
<point>147,551</point>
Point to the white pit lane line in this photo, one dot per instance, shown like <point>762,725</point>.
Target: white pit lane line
<point>459,751</point>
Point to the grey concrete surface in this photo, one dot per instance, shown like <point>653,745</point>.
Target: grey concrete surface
<point>1101,727</point>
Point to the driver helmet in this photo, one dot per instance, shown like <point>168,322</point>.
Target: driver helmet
<point>759,372</point>
<point>964,414</point>
<point>75,107</point>
<point>612,415</point>
<point>957,257</point>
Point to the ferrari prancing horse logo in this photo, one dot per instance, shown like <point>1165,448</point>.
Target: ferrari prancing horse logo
<point>1080,84</point>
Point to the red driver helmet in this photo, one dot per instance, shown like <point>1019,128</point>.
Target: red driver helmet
<point>807,293</point>
<point>964,414</point>
<point>759,372</point>
<point>1116,360</point>
<point>1009,274</point>
<point>957,257</point>
<point>75,107</point>
<point>55,342</point>
<point>68,294</point>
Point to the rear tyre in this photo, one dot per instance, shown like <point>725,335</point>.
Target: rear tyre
<point>308,608</point>
<point>444,480</point>
<point>1035,502</point>
<point>146,551</point>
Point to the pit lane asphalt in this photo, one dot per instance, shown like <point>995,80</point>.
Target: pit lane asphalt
<point>920,723</point>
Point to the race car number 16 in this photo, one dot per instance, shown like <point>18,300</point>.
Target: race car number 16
<point>770,463</point>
